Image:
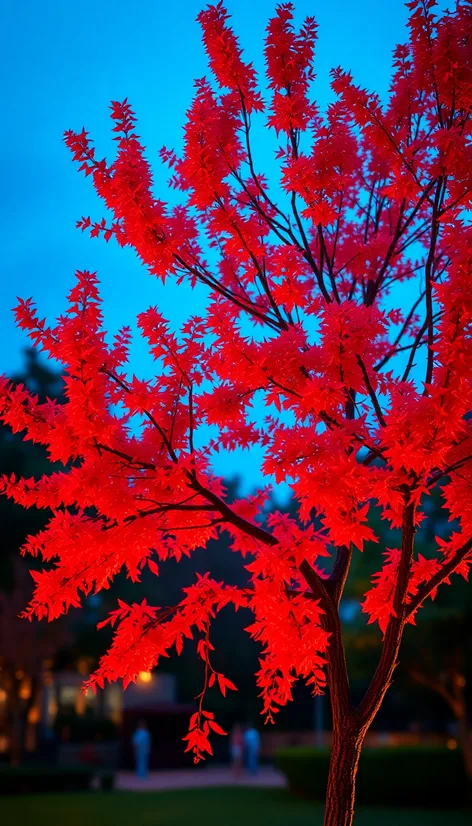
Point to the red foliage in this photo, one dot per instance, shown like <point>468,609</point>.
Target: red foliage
<point>309,312</point>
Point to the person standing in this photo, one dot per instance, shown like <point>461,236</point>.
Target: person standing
<point>142,749</point>
<point>252,744</point>
<point>236,749</point>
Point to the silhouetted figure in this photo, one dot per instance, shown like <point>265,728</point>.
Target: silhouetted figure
<point>252,744</point>
<point>236,748</point>
<point>142,748</point>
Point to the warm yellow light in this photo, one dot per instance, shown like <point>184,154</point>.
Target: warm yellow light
<point>33,715</point>
<point>451,744</point>
<point>25,691</point>
<point>4,744</point>
<point>145,676</point>
<point>80,704</point>
<point>19,674</point>
<point>3,695</point>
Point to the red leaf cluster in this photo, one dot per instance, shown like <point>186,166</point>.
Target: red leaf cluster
<point>344,309</point>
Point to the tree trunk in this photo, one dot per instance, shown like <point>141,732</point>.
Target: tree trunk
<point>351,725</point>
<point>340,794</point>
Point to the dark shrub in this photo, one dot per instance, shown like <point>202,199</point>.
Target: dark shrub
<point>32,780</point>
<point>107,782</point>
<point>414,776</point>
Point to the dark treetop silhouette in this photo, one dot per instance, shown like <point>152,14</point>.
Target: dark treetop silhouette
<point>367,398</point>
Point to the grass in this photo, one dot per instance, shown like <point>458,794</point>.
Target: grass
<point>212,807</point>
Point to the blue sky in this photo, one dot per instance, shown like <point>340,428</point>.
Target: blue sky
<point>62,63</point>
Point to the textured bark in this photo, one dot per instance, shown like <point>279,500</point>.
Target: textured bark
<point>340,793</point>
<point>351,725</point>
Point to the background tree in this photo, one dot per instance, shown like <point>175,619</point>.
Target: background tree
<point>27,653</point>
<point>23,458</point>
<point>441,659</point>
<point>335,334</point>
<point>24,646</point>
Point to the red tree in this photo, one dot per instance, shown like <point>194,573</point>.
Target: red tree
<point>308,312</point>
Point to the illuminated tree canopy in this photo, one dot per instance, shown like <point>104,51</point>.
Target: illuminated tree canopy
<point>342,304</point>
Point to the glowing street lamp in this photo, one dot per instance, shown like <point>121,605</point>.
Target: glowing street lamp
<point>145,677</point>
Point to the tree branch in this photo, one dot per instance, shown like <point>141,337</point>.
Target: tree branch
<point>443,573</point>
<point>372,393</point>
<point>429,271</point>
<point>388,659</point>
<point>434,685</point>
<point>336,655</point>
<point>340,571</point>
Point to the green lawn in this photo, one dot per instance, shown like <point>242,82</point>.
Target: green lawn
<point>211,807</point>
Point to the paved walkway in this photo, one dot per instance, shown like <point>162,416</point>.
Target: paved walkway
<point>207,777</point>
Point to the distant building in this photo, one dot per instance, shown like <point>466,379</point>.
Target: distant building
<point>63,694</point>
<point>152,697</point>
<point>60,705</point>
